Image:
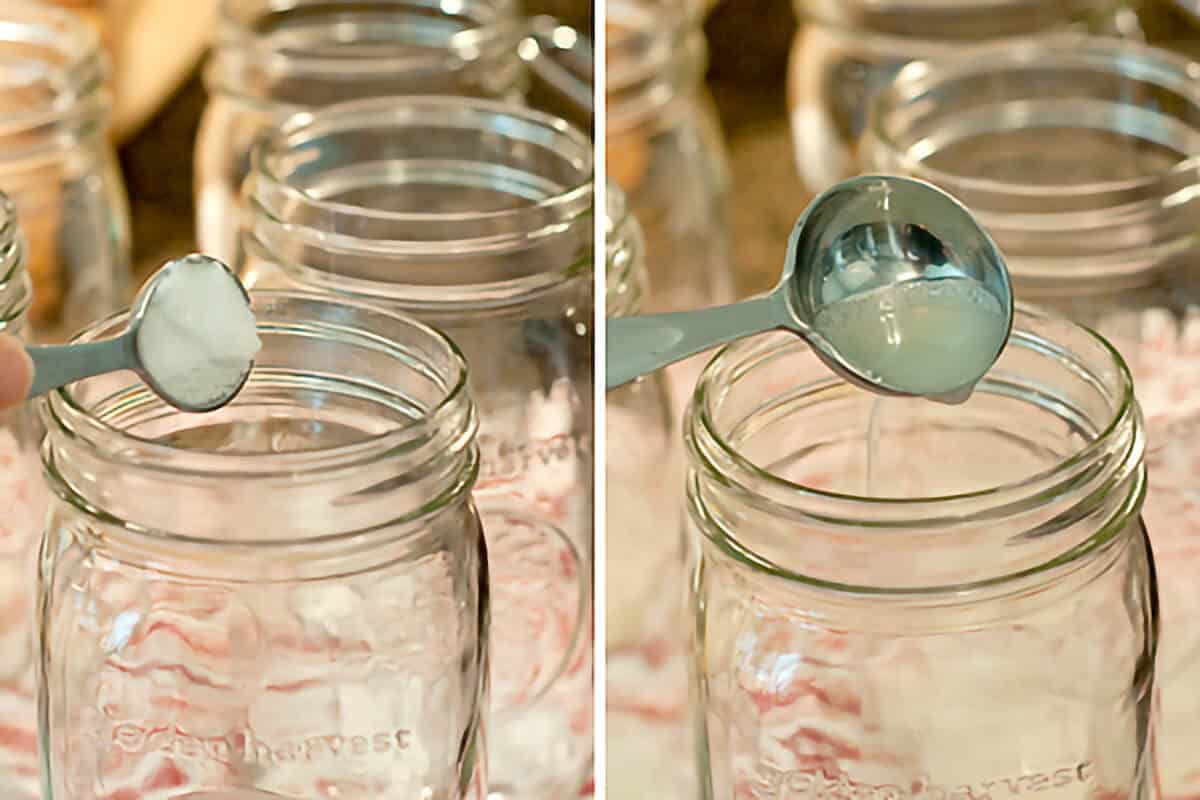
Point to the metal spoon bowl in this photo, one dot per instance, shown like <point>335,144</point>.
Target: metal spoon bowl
<point>60,365</point>
<point>861,235</point>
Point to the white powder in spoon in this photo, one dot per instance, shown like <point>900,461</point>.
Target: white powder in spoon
<point>198,335</point>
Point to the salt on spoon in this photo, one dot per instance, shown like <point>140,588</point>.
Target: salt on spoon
<point>891,281</point>
<point>192,338</point>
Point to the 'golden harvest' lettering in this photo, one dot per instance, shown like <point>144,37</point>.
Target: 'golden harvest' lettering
<point>246,747</point>
<point>775,784</point>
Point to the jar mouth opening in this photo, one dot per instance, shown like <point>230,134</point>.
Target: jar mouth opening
<point>1126,64</point>
<point>712,442</point>
<point>391,192</point>
<point>298,37</point>
<point>1078,154</point>
<point>102,412</point>
<point>52,73</point>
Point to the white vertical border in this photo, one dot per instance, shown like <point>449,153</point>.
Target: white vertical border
<point>599,649</point>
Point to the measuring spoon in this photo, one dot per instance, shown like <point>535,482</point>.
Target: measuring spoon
<point>865,234</point>
<point>60,365</point>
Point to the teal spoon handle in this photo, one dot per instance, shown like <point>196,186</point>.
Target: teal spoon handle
<point>637,346</point>
<point>60,365</point>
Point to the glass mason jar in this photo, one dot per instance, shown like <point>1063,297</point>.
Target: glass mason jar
<point>288,595</point>
<point>22,508</point>
<point>646,672</point>
<point>272,60</point>
<point>664,149</point>
<point>1078,156</point>
<point>901,599</point>
<point>477,218</point>
<point>845,50</point>
<point>59,168</point>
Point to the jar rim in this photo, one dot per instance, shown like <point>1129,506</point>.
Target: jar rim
<point>729,362</point>
<point>843,10</point>
<point>80,73</point>
<point>1102,54</point>
<point>63,412</point>
<point>238,33</point>
<point>631,25</point>
<point>443,234</point>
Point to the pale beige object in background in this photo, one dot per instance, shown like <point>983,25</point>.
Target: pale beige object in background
<point>160,42</point>
<point>154,46</point>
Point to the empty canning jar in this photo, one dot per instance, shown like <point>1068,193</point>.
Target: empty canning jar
<point>1078,156</point>
<point>664,149</point>
<point>288,595</point>
<point>478,218</point>
<point>646,700</point>
<point>274,59</point>
<point>641,456</point>
<point>845,50</point>
<point>896,599</point>
<point>59,168</point>
<point>22,508</point>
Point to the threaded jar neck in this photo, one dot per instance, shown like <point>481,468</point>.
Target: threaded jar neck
<point>311,53</point>
<point>1034,477</point>
<point>1075,153</point>
<point>425,202</point>
<point>53,90</point>
<point>627,278</point>
<point>16,289</point>
<point>355,428</point>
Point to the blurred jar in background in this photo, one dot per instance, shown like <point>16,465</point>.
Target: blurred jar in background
<point>288,595</point>
<point>478,218</point>
<point>22,511</point>
<point>59,168</point>
<point>1079,155</point>
<point>845,50</point>
<point>646,723</point>
<point>271,60</point>
<point>665,150</point>
<point>893,598</point>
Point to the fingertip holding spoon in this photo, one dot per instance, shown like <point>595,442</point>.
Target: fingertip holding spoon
<point>191,338</point>
<point>890,280</point>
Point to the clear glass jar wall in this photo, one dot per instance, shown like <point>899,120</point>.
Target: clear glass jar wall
<point>478,218</point>
<point>59,168</point>
<point>845,50</point>
<point>274,59</point>
<point>971,612</point>
<point>1078,156</point>
<point>646,700</point>
<point>664,149</point>
<point>288,595</point>
<point>23,500</point>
